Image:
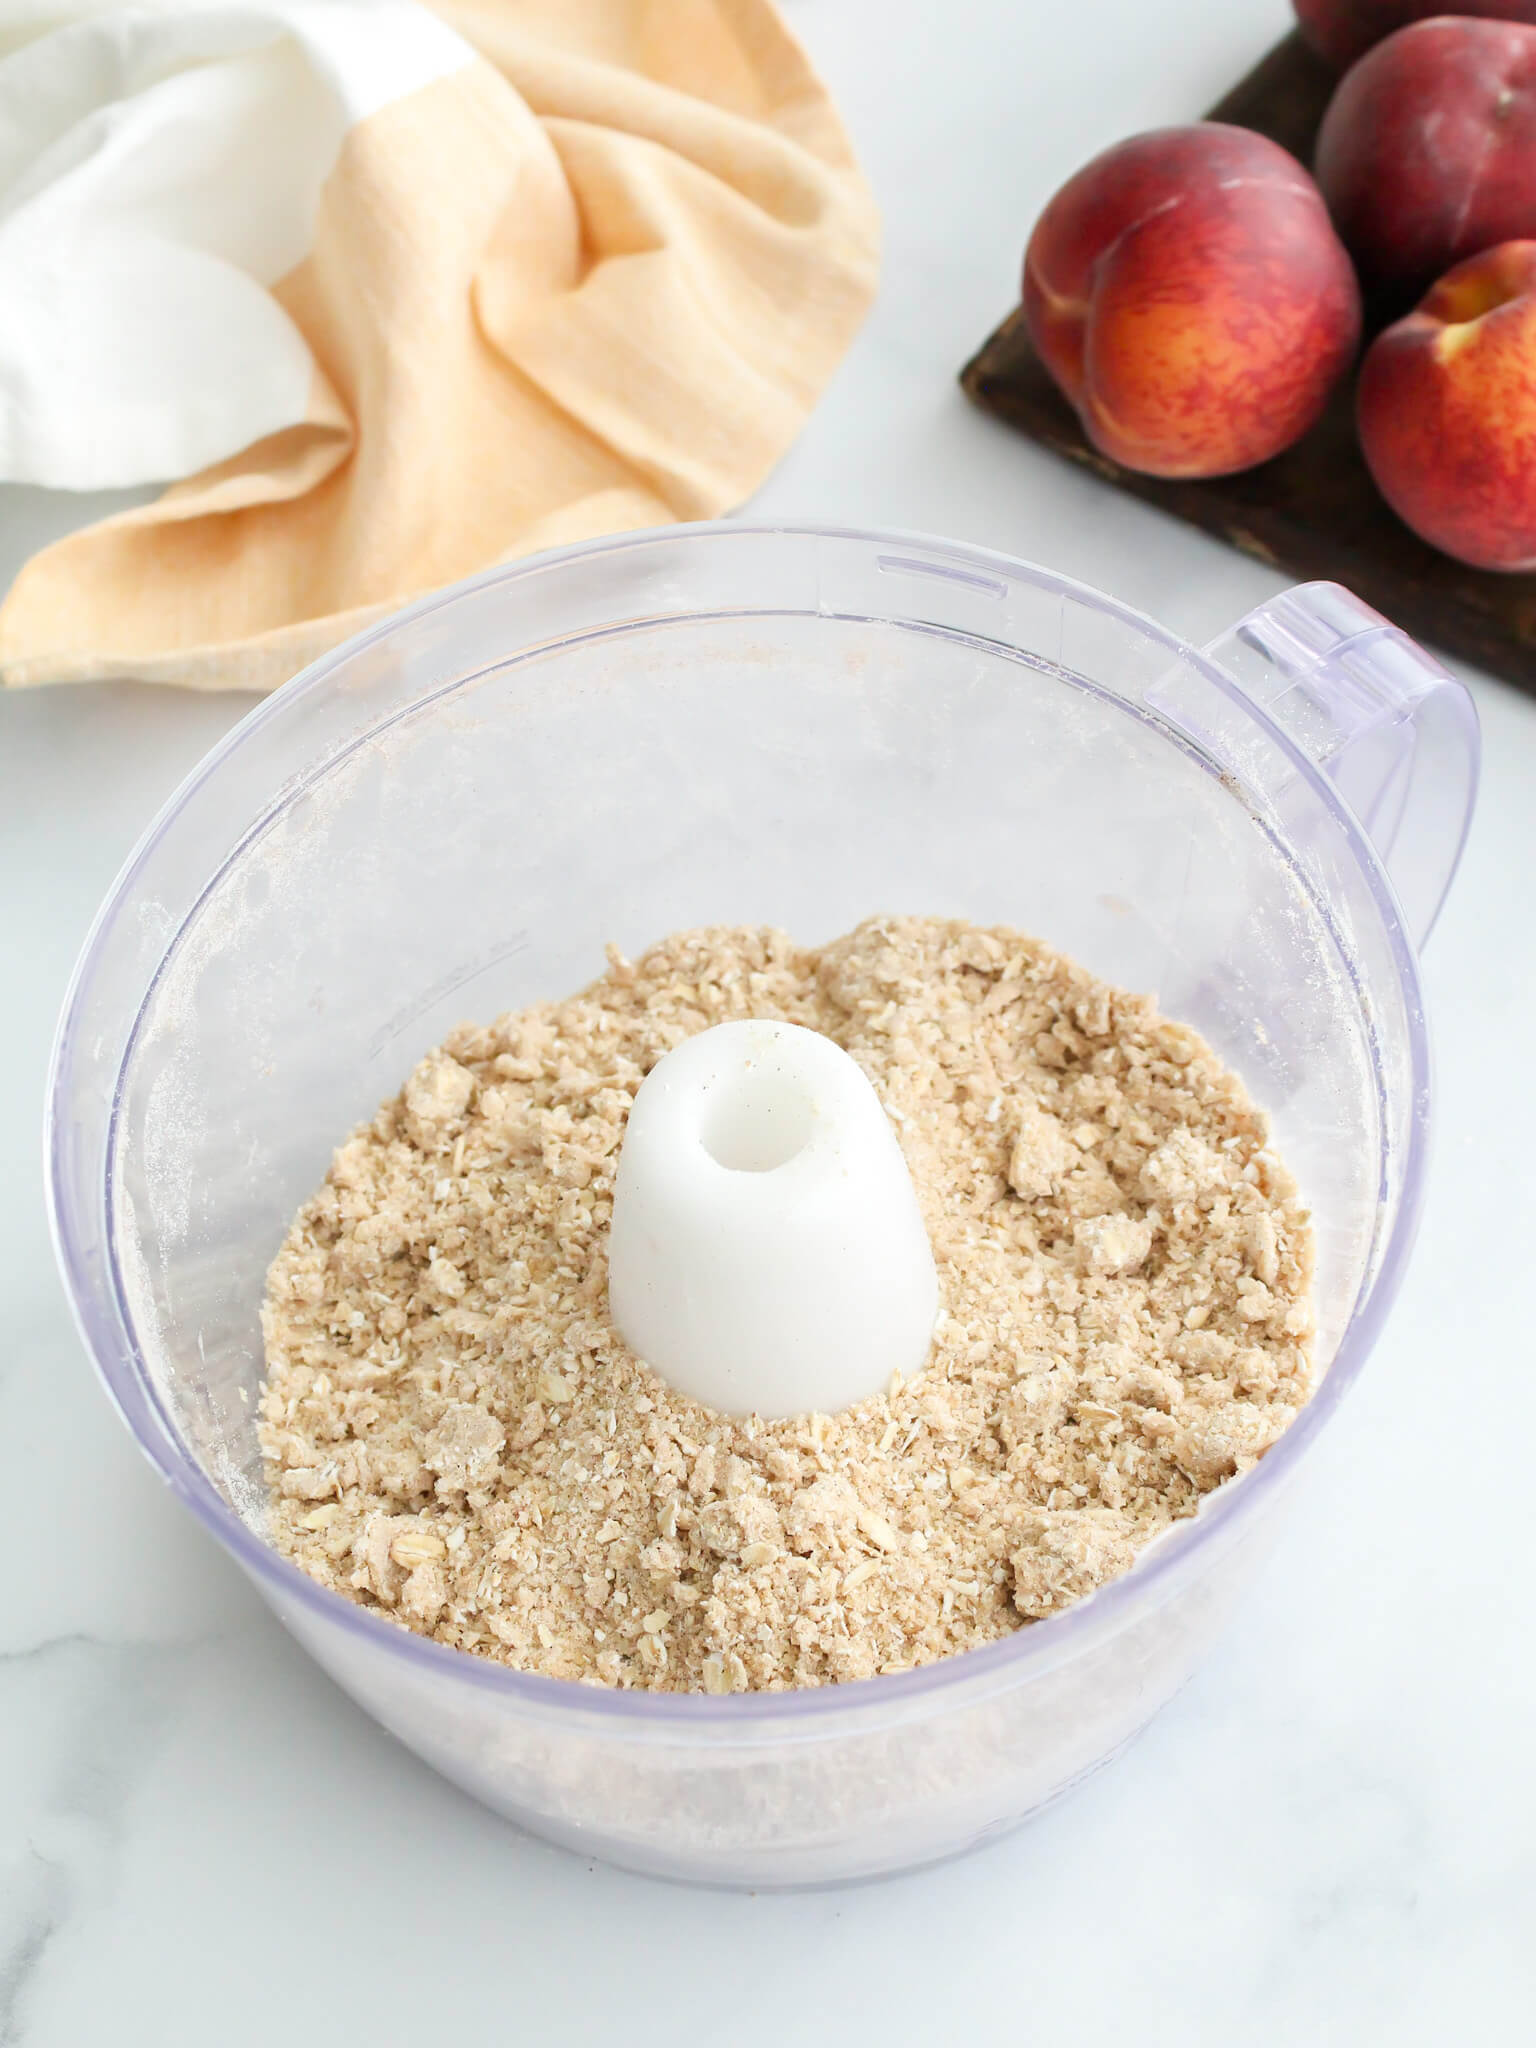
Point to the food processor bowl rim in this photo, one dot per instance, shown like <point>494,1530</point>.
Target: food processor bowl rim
<point>753,1716</point>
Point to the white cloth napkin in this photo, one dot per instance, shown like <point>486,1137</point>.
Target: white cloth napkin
<point>161,166</point>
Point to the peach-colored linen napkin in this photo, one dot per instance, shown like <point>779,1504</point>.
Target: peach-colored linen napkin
<point>542,269</point>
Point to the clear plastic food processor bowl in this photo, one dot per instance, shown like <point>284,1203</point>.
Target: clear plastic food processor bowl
<point>452,814</point>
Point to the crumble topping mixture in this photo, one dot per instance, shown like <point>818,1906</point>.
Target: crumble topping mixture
<point>456,1436</point>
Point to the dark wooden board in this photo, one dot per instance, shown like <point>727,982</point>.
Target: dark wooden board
<point>1312,512</point>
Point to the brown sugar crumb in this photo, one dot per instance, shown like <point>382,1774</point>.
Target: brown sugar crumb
<point>456,1436</point>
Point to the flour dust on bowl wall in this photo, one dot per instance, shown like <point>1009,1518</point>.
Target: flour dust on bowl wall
<point>752,728</point>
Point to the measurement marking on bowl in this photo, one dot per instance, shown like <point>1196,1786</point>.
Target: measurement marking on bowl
<point>456,978</point>
<point>939,572</point>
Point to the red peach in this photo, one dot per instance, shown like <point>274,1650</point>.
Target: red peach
<point>1447,411</point>
<point>1427,152</point>
<point>1188,294</point>
<point>1342,30</point>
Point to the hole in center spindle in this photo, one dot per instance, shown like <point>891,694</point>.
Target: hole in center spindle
<point>757,1120</point>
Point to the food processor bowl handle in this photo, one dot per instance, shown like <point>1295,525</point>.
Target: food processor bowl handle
<point>1392,729</point>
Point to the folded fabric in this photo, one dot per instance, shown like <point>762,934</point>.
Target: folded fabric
<point>412,291</point>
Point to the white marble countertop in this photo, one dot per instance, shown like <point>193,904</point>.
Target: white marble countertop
<point>1330,1837</point>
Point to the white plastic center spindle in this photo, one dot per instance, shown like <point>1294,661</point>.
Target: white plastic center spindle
<point>767,1254</point>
